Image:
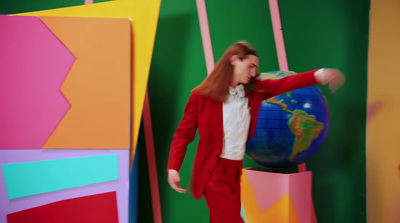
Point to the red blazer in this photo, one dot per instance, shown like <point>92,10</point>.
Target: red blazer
<point>205,115</point>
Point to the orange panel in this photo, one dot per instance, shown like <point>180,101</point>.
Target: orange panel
<point>382,141</point>
<point>98,84</point>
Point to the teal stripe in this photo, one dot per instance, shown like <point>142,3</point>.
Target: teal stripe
<point>243,214</point>
<point>26,179</point>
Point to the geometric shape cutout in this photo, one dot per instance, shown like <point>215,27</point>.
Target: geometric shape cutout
<point>31,178</point>
<point>94,208</point>
<point>98,87</point>
<point>8,156</point>
<point>251,210</point>
<point>145,17</point>
<point>33,65</point>
<point>283,211</point>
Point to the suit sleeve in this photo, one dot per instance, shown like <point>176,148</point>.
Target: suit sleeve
<point>274,87</point>
<point>185,133</point>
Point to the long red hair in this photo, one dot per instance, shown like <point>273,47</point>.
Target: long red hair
<point>216,84</point>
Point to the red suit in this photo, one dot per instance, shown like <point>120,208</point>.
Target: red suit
<point>205,115</point>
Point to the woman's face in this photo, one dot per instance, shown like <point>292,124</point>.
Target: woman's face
<point>244,69</point>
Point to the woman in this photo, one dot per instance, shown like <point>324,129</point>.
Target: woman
<point>224,108</point>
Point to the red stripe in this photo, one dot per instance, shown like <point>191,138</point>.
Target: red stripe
<point>151,160</point>
<point>93,208</point>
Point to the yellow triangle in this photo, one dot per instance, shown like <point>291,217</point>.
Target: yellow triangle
<point>282,211</point>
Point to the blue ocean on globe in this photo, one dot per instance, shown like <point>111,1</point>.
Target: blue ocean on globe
<point>291,127</point>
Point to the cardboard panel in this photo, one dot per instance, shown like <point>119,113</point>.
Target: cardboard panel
<point>98,85</point>
<point>145,17</point>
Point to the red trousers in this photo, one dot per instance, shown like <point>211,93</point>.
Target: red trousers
<point>222,192</point>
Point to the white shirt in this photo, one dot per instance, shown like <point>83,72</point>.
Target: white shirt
<point>236,120</point>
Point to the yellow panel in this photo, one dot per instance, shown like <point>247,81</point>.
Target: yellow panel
<point>98,84</point>
<point>283,211</point>
<point>383,153</point>
<point>145,16</point>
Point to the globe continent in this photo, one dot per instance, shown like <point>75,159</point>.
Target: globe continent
<point>291,127</point>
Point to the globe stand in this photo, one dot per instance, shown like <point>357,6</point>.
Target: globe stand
<point>277,197</point>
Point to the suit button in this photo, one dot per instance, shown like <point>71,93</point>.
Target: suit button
<point>217,155</point>
<point>209,171</point>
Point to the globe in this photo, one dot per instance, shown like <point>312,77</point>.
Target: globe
<point>291,127</point>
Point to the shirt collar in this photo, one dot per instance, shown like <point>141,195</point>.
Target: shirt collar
<point>237,92</point>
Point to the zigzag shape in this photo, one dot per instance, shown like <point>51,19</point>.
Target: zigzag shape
<point>33,65</point>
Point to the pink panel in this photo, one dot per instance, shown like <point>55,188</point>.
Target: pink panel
<point>278,34</point>
<point>300,192</point>
<point>33,65</point>
<point>205,35</point>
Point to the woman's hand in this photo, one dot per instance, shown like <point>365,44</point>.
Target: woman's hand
<point>333,77</point>
<point>174,179</point>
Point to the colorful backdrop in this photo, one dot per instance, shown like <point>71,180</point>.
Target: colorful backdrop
<point>317,34</point>
<point>71,81</point>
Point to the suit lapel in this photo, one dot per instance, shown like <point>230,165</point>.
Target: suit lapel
<point>253,115</point>
<point>216,119</point>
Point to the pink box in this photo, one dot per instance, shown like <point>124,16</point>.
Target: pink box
<point>276,197</point>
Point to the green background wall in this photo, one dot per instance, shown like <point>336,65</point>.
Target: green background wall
<point>19,6</point>
<point>318,33</point>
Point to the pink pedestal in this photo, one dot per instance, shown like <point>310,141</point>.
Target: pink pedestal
<point>276,197</point>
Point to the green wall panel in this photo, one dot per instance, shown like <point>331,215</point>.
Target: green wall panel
<point>178,65</point>
<point>98,1</point>
<point>19,6</point>
<point>231,21</point>
<point>335,34</point>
